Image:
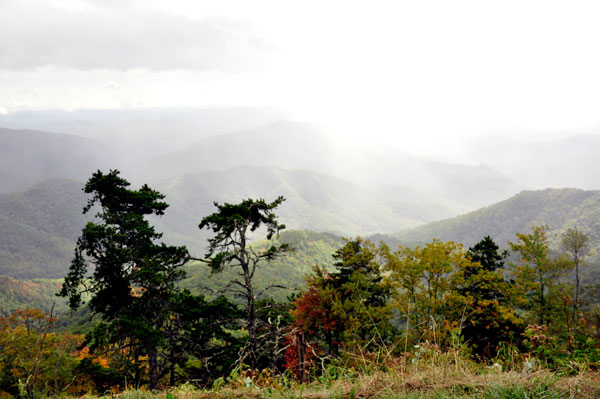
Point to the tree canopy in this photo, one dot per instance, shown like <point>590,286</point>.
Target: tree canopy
<point>232,224</point>
<point>133,277</point>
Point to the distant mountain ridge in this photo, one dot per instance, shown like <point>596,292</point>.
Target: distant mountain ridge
<point>569,162</point>
<point>29,156</point>
<point>330,186</point>
<point>558,208</point>
<point>313,201</point>
<point>295,145</point>
<point>143,133</point>
<point>39,226</point>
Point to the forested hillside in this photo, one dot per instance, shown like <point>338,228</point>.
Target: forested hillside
<point>39,227</point>
<point>37,293</point>
<point>314,201</point>
<point>40,224</point>
<point>294,145</point>
<point>310,249</point>
<point>560,209</point>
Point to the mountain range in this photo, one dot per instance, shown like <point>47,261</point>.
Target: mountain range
<point>29,156</point>
<point>40,225</point>
<point>332,187</point>
<point>560,209</point>
<point>302,146</point>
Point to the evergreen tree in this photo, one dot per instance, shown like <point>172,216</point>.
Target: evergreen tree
<point>199,337</point>
<point>133,277</point>
<point>232,224</point>
<point>480,285</point>
<point>349,306</point>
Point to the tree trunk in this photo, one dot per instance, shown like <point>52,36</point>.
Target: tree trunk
<point>251,318</point>
<point>542,305</point>
<point>153,365</point>
<point>301,355</point>
<point>251,322</point>
<point>576,303</point>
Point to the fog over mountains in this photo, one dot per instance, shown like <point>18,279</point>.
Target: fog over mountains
<point>30,156</point>
<point>331,184</point>
<point>568,162</point>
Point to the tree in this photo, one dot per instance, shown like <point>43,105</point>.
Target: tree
<point>34,360</point>
<point>273,320</point>
<point>133,277</point>
<point>232,224</point>
<point>575,243</point>
<point>199,337</point>
<point>480,285</point>
<point>537,274</point>
<point>422,278</point>
<point>349,306</point>
<point>359,293</point>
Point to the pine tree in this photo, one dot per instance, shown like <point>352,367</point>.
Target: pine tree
<point>132,277</point>
<point>232,224</point>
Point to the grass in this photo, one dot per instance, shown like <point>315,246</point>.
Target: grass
<point>399,382</point>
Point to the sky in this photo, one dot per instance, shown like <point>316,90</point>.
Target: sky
<point>404,71</point>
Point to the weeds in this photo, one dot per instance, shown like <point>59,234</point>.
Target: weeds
<point>435,374</point>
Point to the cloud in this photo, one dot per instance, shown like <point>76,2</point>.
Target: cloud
<point>35,34</point>
<point>112,85</point>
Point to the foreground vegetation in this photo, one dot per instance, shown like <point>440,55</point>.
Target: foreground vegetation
<point>442,376</point>
<point>435,320</point>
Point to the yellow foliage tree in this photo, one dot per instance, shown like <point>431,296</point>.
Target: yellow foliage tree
<point>537,276</point>
<point>33,358</point>
<point>423,285</point>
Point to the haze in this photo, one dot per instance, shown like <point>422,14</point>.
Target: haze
<point>422,76</point>
<point>396,120</point>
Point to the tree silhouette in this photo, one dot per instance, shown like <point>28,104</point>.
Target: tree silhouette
<point>133,277</point>
<point>230,247</point>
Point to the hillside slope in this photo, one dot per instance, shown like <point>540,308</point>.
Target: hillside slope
<point>29,156</point>
<point>313,201</point>
<point>558,208</point>
<point>39,227</point>
<point>294,145</point>
<point>311,248</point>
<point>37,293</point>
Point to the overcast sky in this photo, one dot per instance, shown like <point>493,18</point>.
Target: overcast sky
<point>401,68</point>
